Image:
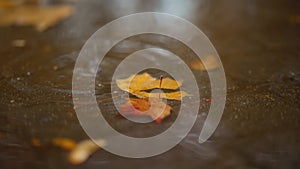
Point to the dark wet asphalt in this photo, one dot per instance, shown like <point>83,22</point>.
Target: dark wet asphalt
<point>257,42</point>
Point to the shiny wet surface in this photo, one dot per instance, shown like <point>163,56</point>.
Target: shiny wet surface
<point>259,48</point>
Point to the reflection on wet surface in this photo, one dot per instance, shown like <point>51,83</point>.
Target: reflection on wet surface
<point>257,43</point>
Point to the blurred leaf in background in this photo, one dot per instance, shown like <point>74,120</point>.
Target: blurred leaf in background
<point>24,13</point>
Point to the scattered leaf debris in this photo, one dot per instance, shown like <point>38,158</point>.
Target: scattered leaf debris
<point>84,149</point>
<point>79,152</point>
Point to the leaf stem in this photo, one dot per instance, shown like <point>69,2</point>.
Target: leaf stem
<point>160,82</point>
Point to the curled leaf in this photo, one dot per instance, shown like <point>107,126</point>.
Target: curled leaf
<point>156,108</point>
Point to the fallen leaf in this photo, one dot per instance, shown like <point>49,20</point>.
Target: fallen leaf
<point>64,143</point>
<point>210,62</point>
<point>294,19</point>
<point>8,4</point>
<point>178,95</point>
<point>84,149</point>
<point>137,84</point>
<point>145,82</point>
<point>36,142</point>
<point>19,43</point>
<point>40,16</point>
<point>156,108</point>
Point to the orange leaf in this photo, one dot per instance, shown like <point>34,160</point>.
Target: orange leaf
<point>36,142</point>
<point>155,108</point>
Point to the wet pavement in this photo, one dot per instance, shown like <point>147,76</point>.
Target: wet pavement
<point>258,44</point>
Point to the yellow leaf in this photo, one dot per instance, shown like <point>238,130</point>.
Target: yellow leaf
<point>145,82</point>
<point>41,17</point>
<point>137,84</point>
<point>64,143</point>
<point>178,95</point>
